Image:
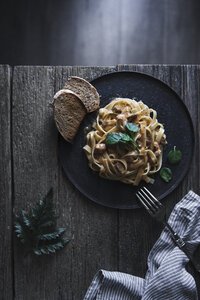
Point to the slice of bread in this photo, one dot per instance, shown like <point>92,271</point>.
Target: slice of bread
<point>69,112</point>
<point>86,92</point>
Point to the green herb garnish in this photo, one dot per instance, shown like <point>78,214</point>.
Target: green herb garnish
<point>112,138</point>
<point>131,128</point>
<point>121,139</point>
<point>125,138</point>
<point>166,174</point>
<point>37,230</point>
<point>174,156</point>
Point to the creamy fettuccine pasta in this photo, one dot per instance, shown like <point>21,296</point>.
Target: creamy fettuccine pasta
<point>127,142</point>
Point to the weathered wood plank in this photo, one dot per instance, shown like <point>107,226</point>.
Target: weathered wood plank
<point>67,274</point>
<point>135,240</point>
<point>35,169</point>
<point>6,278</point>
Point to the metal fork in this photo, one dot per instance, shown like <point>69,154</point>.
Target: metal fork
<point>157,211</point>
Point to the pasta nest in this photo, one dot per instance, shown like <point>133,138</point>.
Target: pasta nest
<point>125,163</point>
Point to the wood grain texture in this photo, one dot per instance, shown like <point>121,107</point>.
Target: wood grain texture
<point>100,237</point>
<point>106,32</point>
<point>6,277</point>
<point>34,148</point>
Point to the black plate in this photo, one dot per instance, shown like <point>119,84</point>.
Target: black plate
<point>171,112</point>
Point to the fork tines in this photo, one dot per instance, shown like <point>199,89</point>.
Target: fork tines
<point>149,201</point>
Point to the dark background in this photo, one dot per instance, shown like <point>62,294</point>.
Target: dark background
<point>99,32</point>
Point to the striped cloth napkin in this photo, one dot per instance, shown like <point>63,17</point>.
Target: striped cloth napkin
<point>166,278</point>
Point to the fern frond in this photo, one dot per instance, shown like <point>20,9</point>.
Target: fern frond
<point>26,219</point>
<point>37,228</point>
<point>18,230</point>
<point>52,235</point>
<point>51,248</point>
<point>43,213</point>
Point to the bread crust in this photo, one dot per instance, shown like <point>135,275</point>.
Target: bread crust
<point>85,91</point>
<point>69,112</point>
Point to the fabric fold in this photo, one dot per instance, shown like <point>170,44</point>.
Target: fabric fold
<point>115,285</point>
<point>166,277</point>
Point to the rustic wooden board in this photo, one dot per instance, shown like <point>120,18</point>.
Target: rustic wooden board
<point>100,237</point>
<point>6,253</point>
<point>35,168</point>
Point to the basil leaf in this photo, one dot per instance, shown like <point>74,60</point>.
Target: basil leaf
<point>124,138</point>
<point>112,138</point>
<point>174,156</point>
<point>121,139</point>
<point>166,174</point>
<point>131,128</point>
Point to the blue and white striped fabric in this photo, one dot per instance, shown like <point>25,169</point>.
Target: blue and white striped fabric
<point>166,278</point>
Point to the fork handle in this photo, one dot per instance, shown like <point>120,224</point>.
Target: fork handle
<point>182,245</point>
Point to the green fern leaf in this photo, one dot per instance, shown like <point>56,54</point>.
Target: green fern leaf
<point>65,240</point>
<point>52,235</point>
<point>49,249</point>
<point>37,230</point>
<point>26,219</point>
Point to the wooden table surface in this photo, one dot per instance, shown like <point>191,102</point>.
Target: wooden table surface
<point>100,237</point>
